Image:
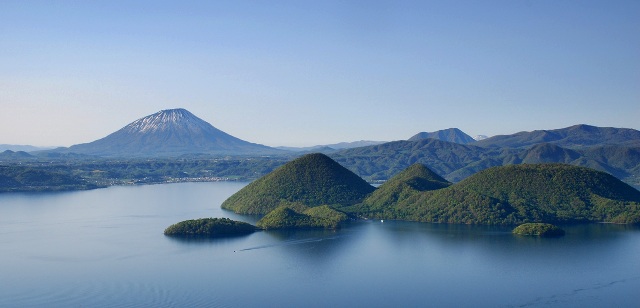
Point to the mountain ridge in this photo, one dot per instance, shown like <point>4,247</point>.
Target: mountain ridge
<point>588,146</point>
<point>323,148</point>
<point>451,134</point>
<point>416,178</point>
<point>576,136</point>
<point>22,148</point>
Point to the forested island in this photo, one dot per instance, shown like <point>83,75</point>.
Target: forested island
<point>209,227</point>
<point>310,180</point>
<point>538,229</point>
<point>510,195</point>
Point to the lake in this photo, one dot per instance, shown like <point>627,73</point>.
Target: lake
<point>106,248</point>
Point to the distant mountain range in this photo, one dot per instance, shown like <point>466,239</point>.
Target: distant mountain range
<point>170,132</point>
<point>332,147</point>
<point>577,136</point>
<point>11,155</point>
<point>450,152</point>
<point>613,150</point>
<point>452,135</point>
<point>21,148</point>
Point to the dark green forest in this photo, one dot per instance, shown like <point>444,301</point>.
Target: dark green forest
<point>25,178</point>
<point>510,195</point>
<point>302,217</point>
<point>456,162</point>
<point>538,229</point>
<point>77,174</point>
<point>313,179</point>
<point>209,227</point>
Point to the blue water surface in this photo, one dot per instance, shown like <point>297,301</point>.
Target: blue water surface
<point>106,248</point>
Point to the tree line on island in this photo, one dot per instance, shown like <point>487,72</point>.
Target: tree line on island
<point>314,191</point>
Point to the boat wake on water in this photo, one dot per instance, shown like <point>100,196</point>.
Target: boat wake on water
<point>290,243</point>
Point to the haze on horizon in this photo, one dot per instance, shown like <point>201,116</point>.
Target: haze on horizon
<point>302,73</point>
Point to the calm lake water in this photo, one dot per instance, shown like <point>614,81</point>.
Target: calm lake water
<point>105,248</point>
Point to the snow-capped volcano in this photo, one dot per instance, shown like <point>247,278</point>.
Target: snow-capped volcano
<point>167,120</point>
<point>169,133</point>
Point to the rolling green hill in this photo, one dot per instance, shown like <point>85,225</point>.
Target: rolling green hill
<point>552,193</point>
<point>313,179</point>
<point>299,217</point>
<point>416,178</point>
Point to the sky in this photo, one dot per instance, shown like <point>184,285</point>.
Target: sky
<point>302,73</point>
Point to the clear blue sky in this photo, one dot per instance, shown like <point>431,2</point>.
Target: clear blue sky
<point>301,73</point>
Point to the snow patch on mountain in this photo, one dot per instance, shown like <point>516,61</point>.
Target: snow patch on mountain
<point>167,120</point>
